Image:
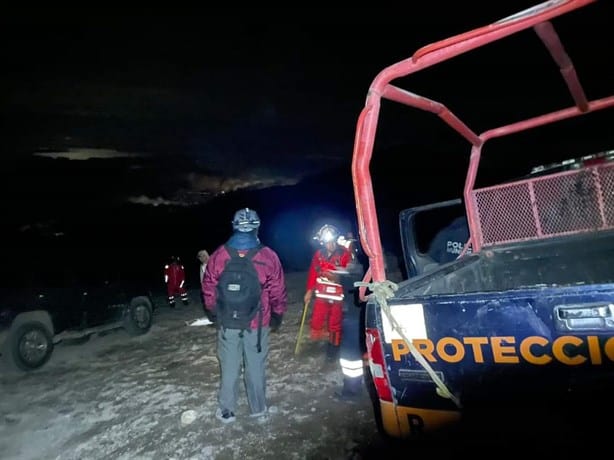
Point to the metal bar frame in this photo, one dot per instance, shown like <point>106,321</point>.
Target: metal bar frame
<point>538,18</point>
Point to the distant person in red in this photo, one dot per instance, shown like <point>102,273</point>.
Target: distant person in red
<point>174,277</point>
<point>324,284</point>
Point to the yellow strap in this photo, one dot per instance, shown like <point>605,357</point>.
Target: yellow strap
<point>384,290</point>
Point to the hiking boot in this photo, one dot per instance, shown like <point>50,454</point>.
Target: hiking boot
<point>352,389</point>
<point>262,413</point>
<point>225,416</point>
<point>346,396</point>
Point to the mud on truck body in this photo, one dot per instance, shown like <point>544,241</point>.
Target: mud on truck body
<point>526,316</point>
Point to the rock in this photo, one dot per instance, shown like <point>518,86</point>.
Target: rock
<point>187,417</point>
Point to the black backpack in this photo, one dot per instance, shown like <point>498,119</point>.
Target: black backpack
<point>238,290</point>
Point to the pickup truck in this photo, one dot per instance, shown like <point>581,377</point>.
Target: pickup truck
<point>525,315</point>
<point>43,303</point>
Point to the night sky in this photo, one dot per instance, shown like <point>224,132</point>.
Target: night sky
<point>143,131</point>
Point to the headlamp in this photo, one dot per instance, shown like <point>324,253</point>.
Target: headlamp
<point>327,236</point>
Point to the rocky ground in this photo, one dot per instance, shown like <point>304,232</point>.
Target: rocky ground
<point>123,398</point>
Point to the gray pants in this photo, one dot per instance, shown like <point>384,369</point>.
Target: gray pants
<point>237,349</point>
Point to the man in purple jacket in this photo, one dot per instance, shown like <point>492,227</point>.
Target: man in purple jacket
<point>245,347</point>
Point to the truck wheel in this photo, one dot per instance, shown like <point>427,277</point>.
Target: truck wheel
<point>29,346</point>
<point>138,316</point>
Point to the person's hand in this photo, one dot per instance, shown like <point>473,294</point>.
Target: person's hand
<point>332,275</point>
<point>307,297</point>
<point>276,320</point>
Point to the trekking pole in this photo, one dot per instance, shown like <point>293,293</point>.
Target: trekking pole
<point>300,331</point>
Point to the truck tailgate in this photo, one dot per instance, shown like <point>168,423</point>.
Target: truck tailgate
<point>508,347</point>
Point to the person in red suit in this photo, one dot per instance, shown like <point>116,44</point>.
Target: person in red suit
<point>323,283</point>
<point>174,277</point>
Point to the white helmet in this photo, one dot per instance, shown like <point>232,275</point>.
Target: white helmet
<point>326,234</point>
<point>245,220</point>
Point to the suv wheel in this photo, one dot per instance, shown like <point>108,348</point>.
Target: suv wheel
<point>29,346</point>
<point>138,316</point>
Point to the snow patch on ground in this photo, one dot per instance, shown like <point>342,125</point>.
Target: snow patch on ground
<point>122,397</point>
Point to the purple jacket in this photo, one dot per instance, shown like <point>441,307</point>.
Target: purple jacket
<point>270,272</point>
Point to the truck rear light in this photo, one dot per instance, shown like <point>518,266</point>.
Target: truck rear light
<point>377,365</point>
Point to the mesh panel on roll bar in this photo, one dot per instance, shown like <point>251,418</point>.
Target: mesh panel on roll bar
<point>560,204</point>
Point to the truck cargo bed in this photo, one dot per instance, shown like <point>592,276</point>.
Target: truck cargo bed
<point>564,261</point>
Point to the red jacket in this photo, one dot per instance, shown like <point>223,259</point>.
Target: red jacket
<point>321,263</point>
<point>174,274</point>
<point>270,273</point>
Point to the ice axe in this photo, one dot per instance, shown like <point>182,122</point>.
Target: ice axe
<point>300,331</point>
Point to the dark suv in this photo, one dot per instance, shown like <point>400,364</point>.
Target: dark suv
<point>47,302</point>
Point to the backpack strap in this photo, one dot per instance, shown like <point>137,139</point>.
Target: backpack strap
<point>234,253</point>
<point>249,254</point>
<point>253,251</point>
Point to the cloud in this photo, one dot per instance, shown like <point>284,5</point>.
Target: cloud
<point>219,184</point>
<point>48,228</point>
<point>202,188</point>
<point>157,201</point>
<point>88,154</point>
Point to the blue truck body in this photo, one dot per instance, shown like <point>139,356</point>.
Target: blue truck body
<point>522,325</point>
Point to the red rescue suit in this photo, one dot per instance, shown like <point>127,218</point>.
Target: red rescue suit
<point>328,302</point>
<point>174,277</point>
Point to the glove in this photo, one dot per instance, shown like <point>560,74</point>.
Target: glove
<point>354,273</point>
<point>276,319</point>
